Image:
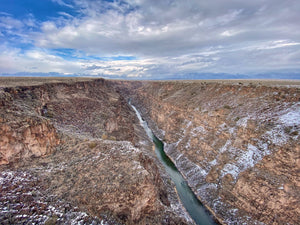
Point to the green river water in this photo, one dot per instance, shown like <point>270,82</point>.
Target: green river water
<point>193,206</point>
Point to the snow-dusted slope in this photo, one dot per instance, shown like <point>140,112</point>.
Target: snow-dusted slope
<point>74,153</point>
<point>237,144</point>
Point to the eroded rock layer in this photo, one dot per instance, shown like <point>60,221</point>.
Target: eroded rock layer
<point>74,152</point>
<point>237,144</point>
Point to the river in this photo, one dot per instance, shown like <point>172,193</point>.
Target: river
<point>193,206</point>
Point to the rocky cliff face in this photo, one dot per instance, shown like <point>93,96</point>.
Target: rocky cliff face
<point>74,152</point>
<point>28,116</point>
<point>237,144</point>
<point>23,134</point>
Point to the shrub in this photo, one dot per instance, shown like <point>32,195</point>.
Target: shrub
<point>295,133</point>
<point>51,221</point>
<point>112,138</point>
<point>288,129</point>
<point>104,136</point>
<point>92,145</point>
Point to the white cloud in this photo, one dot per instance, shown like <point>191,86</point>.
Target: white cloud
<point>13,60</point>
<point>63,3</point>
<point>166,37</point>
<point>66,15</point>
<point>229,33</point>
<point>9,23</point>
<point>157,28</point>
<point>277,44</point>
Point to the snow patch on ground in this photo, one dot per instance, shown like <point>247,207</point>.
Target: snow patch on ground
<point>231,130</point>
<point>230,169</point>
<point>189,123</point>
<point>223,126</point>
<point>277,135</point>
<point>292,117</point>
<point>198,130</point>
<point>289,120</point>
<point>213,163</point>
<point>245,159</point>
<point>243,122</point>
<point>225,147</point>
<point>125,147</point>
<point>188,144</point>
<point>22,202</point>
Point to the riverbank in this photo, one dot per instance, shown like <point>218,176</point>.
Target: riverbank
<point>194,207</point>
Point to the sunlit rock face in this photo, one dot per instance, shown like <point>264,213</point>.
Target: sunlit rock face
<point>236,143</point>
<point>25,139</point>
<point>74,152</point>
<point>23,134</point>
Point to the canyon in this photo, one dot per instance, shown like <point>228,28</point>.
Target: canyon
<point>73,150</point>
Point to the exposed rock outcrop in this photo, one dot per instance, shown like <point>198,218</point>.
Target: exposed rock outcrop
<point>25,139</point>
<point>97,166</point>
<point>23,135</point>
<point>236,144</point>
<point>74,151</point>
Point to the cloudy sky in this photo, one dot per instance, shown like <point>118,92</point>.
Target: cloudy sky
<point>149,38</point>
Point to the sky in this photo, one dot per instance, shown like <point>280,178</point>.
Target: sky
<point>151,39</point>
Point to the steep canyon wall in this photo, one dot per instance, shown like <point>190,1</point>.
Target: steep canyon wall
<point>74,152</point>
<point>236,143</point>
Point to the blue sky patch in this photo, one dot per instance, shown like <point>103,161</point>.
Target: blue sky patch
<point>156,39</point>
<point>72,54</point>
<point>42,10</point>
